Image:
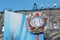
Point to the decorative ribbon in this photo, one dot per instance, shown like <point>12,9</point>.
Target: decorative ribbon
<point>37,37</point>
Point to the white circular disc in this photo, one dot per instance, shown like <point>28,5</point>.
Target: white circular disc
<point>37,22</point>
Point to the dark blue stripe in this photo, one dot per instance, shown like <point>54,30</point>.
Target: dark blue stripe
<point>41,36</point>
<point>25,37</point>
<point>21,26</point>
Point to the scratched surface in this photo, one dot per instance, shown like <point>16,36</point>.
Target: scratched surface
<point>14,27</point>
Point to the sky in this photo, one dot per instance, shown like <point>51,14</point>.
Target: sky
<point>26,4</point>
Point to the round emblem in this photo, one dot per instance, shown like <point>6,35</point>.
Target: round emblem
<point>37,22</point>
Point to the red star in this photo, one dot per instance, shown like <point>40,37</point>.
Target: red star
<point>45,18</point>
<point>31,28</point>
<point>37,14</point>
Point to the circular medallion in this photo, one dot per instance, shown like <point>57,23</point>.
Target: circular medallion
<point>37,22</point>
